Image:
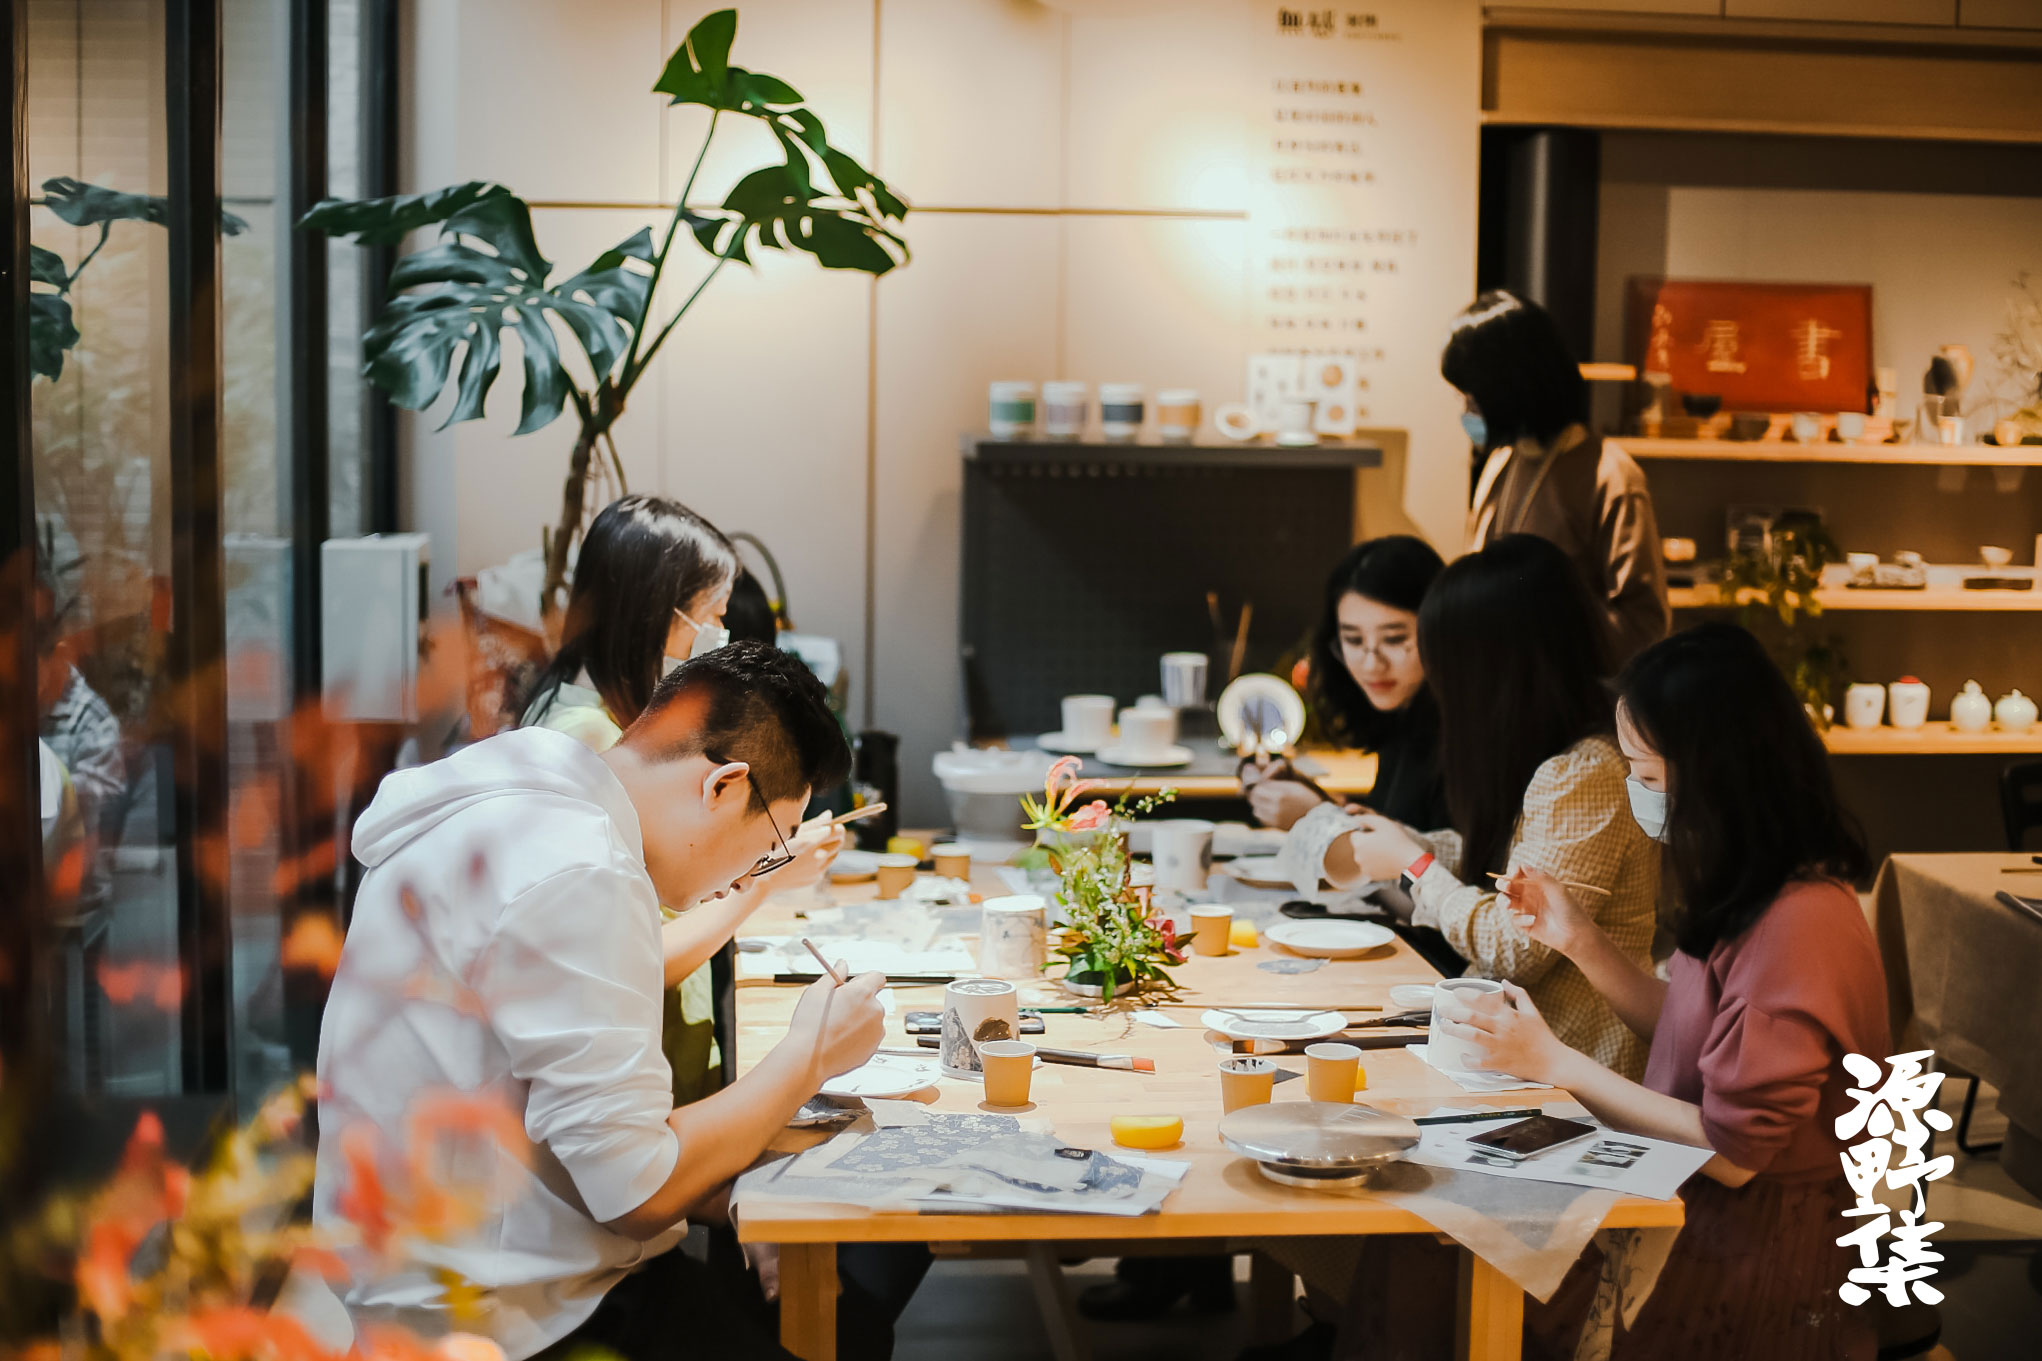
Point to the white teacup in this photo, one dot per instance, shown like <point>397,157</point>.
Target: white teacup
<point>1146,731</point>
<point>1088,720</point>
<point>1456,999</point>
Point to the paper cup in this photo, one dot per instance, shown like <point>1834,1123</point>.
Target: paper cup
<point>976,1011</point>
<point>953,861</point>
<point>1008,1066</point>
<point>1088,719</point>
<point>1246,1082</point>
<point>1010,410</point>
<point>896,873</point>
<point>1455,998</point>
<point>1329,1072</point>
<point>1182,851</point>
<point>1177,414</point>
<point>1212,926</point>
<point>1013,936</point>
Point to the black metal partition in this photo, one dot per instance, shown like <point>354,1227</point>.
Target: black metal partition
<point>1084,563</point>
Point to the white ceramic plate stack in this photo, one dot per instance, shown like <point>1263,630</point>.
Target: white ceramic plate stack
<point>886,1075</point>
<point>1258,685</point>
<point>1163,758</point>
<point>1274,1023</point>
<point>1327,939</point>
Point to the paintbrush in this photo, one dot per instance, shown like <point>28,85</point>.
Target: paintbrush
<point>1076,1058</point>
<point>1564,883</point>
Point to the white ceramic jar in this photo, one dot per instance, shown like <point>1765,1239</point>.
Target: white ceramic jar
<point>1864,704</point>
<point>1970,711</point>
<point>2015,711</point>
<point>1907,703</point>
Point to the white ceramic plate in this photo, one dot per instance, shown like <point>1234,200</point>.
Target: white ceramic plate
<point>1256,871</point>
<point>1063,744</point>
<point>1115,754</point>
<point>1290,708</point>
<point>852,866</point>
<point>1411,996</point>
<point>1329,939</point>
<point>1274,1024</point>
<point>885,1076</point>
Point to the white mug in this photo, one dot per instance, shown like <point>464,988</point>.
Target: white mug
<point>1088,720</point>
<point>976,1010</point>
<point>1182,851</point>
<point>1177,414</point>
<point>1458,995</point>
<point>1013,937</point>
<point>1063,410</point>
<point>1294,422</point>
<point>1864,705</point>
<point>1147,732</point>
<point>1011,410</point>
<point>1120,410</point>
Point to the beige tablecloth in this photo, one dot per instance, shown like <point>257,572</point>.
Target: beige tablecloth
<point>1964,970</point>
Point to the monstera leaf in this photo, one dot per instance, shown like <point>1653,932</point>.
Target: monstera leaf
<point>783,207</point>
<point>483,277</point>
<point>52,331</point>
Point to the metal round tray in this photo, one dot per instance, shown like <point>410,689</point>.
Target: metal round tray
<point>1317,1136</point>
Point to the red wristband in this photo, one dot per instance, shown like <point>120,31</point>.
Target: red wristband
<point>1417,868</point>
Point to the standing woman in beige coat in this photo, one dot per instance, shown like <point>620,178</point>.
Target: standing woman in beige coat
<point>1544,472</point>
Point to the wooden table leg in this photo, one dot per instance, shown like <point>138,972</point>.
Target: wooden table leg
<point>1492,1313</point>
<point>1272,1300</point>
<point>808,1300</point>
<point>1053,1297</point>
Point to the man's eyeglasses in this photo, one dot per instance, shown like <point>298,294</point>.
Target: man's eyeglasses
<point>772,860</point>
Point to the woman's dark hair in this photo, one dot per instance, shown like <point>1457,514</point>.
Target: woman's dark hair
<point>1753,806</point>
<point>1513,653</point>
<point>749,616</point>
<point>1508,355</point>
<point>643,558</point>
<point>1396,570</point>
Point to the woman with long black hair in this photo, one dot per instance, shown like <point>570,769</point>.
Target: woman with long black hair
<point>1775,979</point>
<point>1512,648</point>
<point>1366,685</point>
<point>1542,471</point>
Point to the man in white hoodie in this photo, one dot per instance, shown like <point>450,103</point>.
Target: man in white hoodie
<point>504,954</point>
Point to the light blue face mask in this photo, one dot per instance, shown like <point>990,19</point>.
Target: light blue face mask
<point>1477,428</point>
<point>1648,806</point>
<point>708,637</point>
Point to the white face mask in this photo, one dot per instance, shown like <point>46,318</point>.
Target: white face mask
<point>708,637</point>
<point>1648,806</point>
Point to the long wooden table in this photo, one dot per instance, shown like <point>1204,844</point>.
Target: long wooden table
<point>1223,1199</point>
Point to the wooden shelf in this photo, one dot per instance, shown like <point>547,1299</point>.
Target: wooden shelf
<point>1775,451</point>
<point>1950,599</point>
<point>982,448</point>
<point>1933,739</point>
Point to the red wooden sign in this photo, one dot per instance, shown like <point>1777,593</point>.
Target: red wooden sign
<point>1761,347</point>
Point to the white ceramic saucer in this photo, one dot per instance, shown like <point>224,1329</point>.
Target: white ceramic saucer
<point>1117,755</point>
<point>1411,996</point>
<point>1325,939</point>
<point>1270,1023</point>
<point>884,1076</point>
<point>853,866</point>
<point>1063,744</point>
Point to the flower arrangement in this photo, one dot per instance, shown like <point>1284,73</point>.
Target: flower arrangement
<point>1113,938</point>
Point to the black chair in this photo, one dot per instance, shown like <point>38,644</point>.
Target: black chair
<point>2020,801</point>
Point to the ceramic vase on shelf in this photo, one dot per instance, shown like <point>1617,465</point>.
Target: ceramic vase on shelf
<point>1971,711</point>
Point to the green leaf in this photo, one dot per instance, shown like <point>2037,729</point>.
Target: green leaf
<point>387,221</point>
<point>47,267</point>
<point>753,91</point>
<point>88,205</point>
<point>773,204</point>
<point>50,333</point>
<point>700,67</point>
<point>484,275</point>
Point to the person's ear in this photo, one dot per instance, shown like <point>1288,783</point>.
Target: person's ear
<point>725,783</point>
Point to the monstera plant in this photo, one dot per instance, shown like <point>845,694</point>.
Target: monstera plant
<point>52,332</point>
<point>485,275</point>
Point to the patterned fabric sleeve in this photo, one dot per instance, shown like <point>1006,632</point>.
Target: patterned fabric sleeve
<point>1576,826</point>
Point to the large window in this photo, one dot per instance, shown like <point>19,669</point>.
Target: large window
<point>195,428</point>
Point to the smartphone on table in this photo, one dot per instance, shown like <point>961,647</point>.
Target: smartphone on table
<point>1525,1138</point>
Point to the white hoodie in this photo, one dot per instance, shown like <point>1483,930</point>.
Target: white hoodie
<point>505,945</point>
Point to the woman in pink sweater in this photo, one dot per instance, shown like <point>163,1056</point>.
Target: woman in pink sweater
<point>1776,977</point>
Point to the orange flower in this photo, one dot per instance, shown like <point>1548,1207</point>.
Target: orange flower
<point>239,1333</point>
<point>363,1201</point>
<point>313,943</point>
<point>1092,816</point>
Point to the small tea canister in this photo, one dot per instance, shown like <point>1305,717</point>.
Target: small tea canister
<point>1971,711</point>
<point>2015,711</point>
<point>1907,703</point>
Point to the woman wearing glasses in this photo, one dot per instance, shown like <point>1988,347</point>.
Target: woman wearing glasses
<point>650,589</point>
<point>1367,688</point>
